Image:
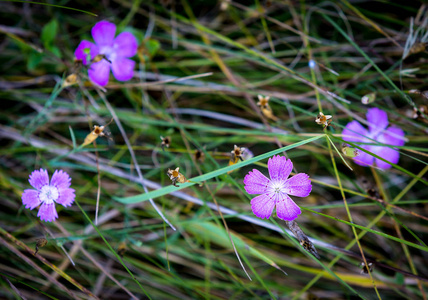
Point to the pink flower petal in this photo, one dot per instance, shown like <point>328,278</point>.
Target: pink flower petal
<point>392,136</point>
<point>125,45</point>
<point>66,197</point>
<point>354,132</point>
<point>364,159</point>
<point>47,212</point>
<point>30,198</point>
<point>99,72</point>
<point>80,51</point>
<point>262,206</point>
<point>279,167</point>
<point>255,182</point>
<point>377,119</point>
<point>103,33</point>
<point>387,153</point>
<point>299,185</point>
<point>39,178</point>
<point>123,68</point>
<point>60,179</point>
<point>286,209</point>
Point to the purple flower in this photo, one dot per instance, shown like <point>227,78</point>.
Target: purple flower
<point>115,50</point>
<point>378,131</point>
<point>275,191</point>
<point>46,194</point>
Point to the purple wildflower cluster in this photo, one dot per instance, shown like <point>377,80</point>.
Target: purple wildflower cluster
<point>114,53</point>
<point>47,194</point>
<point>378,132</point>
<point>275,191</point>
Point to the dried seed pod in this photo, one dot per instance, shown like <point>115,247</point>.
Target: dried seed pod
<point>98,131</point>
<point>302,238</point>
<point>121,249</point>
<point>417,47</point>
<point>199,156</point>
<point>40,243</point>
<point>70,80</point>
<point>369,187</point>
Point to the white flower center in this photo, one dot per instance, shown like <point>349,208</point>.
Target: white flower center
<point>109,52</point>
<point>49,194</point>
<point>276,186</point>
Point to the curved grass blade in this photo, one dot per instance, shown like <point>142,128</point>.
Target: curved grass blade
<point>422,248</point>
<point>216,173</point>
<point>53,5</point>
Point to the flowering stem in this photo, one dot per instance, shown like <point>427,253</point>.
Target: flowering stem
<point>338,152</point>
<point>349,214</point>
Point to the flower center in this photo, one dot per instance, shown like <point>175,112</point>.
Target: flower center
<point>49,194</point>
<point>109,52</point>
<point>277,186</point>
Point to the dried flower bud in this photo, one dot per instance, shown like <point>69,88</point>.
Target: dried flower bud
<point>364,269</point>
<point>369,98</point>
<point>121,249</point>
<point>417,47</point>
<point>166,142</point>
<point>265,108</point>
<point>176,176</point>
<point>323,119</point>
<point>224,5</point>
<point>236,155</point>
<point>417,113</point>
<point>199,156</point>
<point>70,80</point>
<point>350,152</point>
<point>98,131</point>
<point>40,243</point>
<point>263,101</point>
